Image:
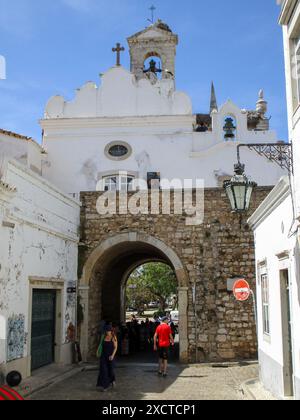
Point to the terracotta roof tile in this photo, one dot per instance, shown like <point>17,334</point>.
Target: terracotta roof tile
<point>7,186</point>
<point>16,135</point>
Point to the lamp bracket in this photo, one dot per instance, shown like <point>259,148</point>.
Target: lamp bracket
<point>280,153</point>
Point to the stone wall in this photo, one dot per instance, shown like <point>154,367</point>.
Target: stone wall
<point>219,328</point>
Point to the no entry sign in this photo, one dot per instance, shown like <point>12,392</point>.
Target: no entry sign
<point>241,290</point>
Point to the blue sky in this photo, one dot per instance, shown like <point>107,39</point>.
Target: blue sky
<point>54,46</point>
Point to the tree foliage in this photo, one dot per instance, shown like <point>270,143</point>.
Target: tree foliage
<point>152,281</point>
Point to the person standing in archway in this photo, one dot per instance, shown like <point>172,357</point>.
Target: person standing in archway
<point>165,339</point>
<point>109,348</point>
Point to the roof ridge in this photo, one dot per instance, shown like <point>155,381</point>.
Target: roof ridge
<point>13,134</point>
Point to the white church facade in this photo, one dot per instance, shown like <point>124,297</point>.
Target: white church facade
<point>136,122</point>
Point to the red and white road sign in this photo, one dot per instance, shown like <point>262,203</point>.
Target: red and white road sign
<point>241,290</point>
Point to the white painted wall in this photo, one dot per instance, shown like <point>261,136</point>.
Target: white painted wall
<point>157,122</point>
<point>276,227</point>
<point>290,32</point>
<point>121,95</point>
<point>42,244</point>
<point>272,222</point>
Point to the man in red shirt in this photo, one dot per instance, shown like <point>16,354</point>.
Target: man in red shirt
<point>165,339</point>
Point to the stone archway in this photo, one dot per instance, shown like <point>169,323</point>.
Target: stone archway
<point>101,283</point>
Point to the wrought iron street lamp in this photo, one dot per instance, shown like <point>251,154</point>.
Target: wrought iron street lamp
<point>239,190</point>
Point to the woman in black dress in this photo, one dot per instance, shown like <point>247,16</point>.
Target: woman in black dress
<point>106,378</point>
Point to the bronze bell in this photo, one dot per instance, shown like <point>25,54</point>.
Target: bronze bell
<point>229,128</point>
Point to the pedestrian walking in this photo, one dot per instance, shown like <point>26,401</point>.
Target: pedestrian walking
<point>164,338</point>
<point>107,351</point>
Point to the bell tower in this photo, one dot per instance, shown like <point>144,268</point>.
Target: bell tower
<point>156,43</point>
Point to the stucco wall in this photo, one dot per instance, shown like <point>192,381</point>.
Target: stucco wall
<point>290,33</point>
<point>38,231</point>
<point>272,239</point>
<point>167,145</point>
<point>25,151</point>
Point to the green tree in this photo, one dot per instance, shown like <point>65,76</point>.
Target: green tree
<point>136,295</point>
<point>153,281</point>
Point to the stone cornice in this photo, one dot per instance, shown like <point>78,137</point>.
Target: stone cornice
<point>152,41</point>
<point>276,197</point>
<point>45,227</point>
<point>163,35</point>
<point>94,122</point>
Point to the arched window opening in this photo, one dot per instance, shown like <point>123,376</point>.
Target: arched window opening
<point>229,128</point>
<point>153,65</point>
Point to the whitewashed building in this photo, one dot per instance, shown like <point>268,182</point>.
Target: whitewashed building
<point>276,226</point>
<point>136,123</point>
<point>38,261</point>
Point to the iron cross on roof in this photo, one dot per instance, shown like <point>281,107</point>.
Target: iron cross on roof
<point>118,50</point>
<point>152,9</point>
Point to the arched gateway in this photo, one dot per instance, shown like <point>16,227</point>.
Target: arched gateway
<point>206,258</point>
<point>104,277</point>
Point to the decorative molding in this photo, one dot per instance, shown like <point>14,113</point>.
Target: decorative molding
<point>115,122</point>
<point>49,282</point>
<point>283,255</point>
<point>44,227</point>
<point>118,158</point>
<point>262,263</point>
<point>8,225</point>
<point>105,174</point>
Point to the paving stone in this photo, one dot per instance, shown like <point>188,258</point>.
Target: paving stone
<point>140,382</point>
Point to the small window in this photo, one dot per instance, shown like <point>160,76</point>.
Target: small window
<point>118,151</point>
<point>265,303</point>
<point>118,183</point>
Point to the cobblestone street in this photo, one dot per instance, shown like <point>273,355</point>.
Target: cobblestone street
<point>140,382</point>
